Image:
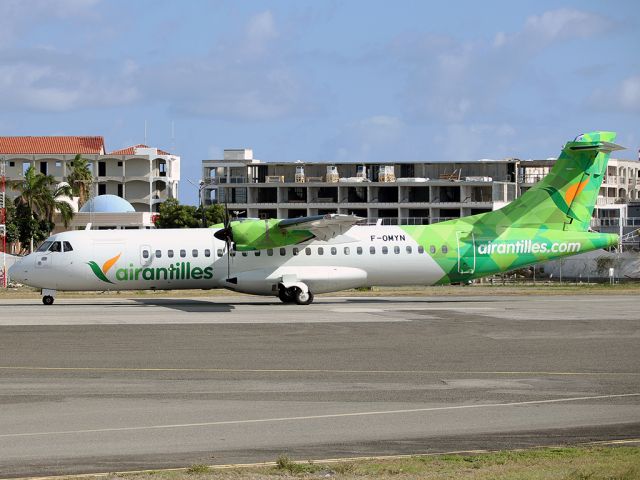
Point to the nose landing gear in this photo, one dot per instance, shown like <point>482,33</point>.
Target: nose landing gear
<point>48,296</point>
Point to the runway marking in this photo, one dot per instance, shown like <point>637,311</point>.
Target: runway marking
<point>320,417</point>
<point>311,370</point>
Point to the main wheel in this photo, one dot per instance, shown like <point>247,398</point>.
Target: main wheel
<point>303,298</point>
<point>47,300</point>
<point>287,295</point>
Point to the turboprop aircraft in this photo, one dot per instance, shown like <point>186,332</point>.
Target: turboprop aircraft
<point>297,258</point>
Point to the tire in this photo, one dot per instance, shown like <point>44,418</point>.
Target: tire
<point>303,298</point>
<point>286,295</point>
<point>47,300</point>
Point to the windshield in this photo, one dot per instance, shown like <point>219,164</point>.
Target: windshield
<point>44,247</point>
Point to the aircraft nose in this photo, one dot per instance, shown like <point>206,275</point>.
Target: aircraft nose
<point>17,271</point>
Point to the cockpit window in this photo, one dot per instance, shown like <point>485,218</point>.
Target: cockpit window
<point>44,247</point>
<point>55,247</point>
<point>67,247</point>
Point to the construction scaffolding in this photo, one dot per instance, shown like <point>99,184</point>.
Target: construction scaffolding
<point>3,223</point>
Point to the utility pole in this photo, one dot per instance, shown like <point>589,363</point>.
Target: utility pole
<point>3,221</point>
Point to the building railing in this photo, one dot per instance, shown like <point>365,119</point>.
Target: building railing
<point>616,222</point>
<point>404,220</point>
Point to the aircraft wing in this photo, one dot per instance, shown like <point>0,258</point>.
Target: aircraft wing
<point>322,227</point>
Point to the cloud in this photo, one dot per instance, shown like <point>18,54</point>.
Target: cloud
<point>623,97</point>
<point>247,79</point>
<point>455,81</point>
<point>369,139</point>
<point>52,81</point>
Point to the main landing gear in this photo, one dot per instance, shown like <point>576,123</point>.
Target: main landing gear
<point>48,296</point>
<point>295,294</point>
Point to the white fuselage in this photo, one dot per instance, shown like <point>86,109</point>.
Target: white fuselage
<point>194,258</point>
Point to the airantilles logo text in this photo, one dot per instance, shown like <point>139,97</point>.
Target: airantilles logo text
<point>176,271</point>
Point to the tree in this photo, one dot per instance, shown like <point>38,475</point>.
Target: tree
<point>173,215</point>
<point>213,214</point>
<point>80,178</point>
<point>37,202</point>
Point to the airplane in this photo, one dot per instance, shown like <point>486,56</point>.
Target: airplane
<point>294,259</point>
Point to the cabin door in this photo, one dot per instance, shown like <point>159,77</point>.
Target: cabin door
<point>466,252</point>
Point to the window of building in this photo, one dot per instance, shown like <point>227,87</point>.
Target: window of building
<point>170,253</point>
<point>183,253</point>
<point>102,188</point>
<point>283,252</point>
<point>372,250</point>
<point>444,249</point>
<point>396,249</point>
<point>307,251</point>
<point>385,250</point>
<point>119,164</point>
<point>270,252</point>
<point>12,164</point>
<point>158,253</point>
<point>432,249</point>
<point>346,250</point>
<point>359,250</point>
<point>145,253</point>
<point>194,253</point>
<point>58,164</point>
<point>295,250</point>
<point>120,190</point>
<point>320,251</point>
<point>207,252</point>
<point>102,169</point>
<point>67,247</point>
<point>409,249</point>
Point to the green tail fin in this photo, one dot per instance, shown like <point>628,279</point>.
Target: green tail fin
<point>565,198</point>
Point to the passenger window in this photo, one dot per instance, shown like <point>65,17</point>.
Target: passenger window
<point>257,253</point>
<point>170,253</point>
<point>219,252</point>
<point>385,250</point>
<point>334,250</point>
<point>295,250</point>
<point>421,249</point>
<point>320,251</point>
<point>432,249</point>
<point>346,250</point>
<point>396,249</point>
<point>409,250</point>
<point>307,251</point>
<point>244,254</point>
<point>55,247</point>
<point>183,253</point>
<point>270,252</point>
<point>207,253</point>
<point>359,250</point>
<point>158,253</point>
<point>145,253</point>
<point>283,252</point>
<point>444,249</point>
<point>67,247</point>
<point>194,253</point>
<point>372,250</point>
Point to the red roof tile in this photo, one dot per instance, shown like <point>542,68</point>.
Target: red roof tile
<point>59,145</point>
<point>131,150</point>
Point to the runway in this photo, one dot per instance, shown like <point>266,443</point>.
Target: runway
<point>110,384</point>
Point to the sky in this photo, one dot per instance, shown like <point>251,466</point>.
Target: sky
<point>323,80</point>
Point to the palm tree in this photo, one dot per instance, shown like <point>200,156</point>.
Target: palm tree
<point>41,195</point>
<point>80,179</point>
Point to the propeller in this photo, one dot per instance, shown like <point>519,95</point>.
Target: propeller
<point>226,235</point>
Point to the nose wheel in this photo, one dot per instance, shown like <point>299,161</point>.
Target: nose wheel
<point>48,296</point>
<point>47,300</point>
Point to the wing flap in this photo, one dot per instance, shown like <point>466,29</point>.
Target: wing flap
<point>323,227</point>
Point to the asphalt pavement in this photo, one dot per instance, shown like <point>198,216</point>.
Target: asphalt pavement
<point>111,384</point>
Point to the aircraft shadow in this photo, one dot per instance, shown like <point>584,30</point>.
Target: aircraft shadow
<point>186,305</point>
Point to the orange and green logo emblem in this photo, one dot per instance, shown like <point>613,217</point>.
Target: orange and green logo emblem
<point>101,273</point>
